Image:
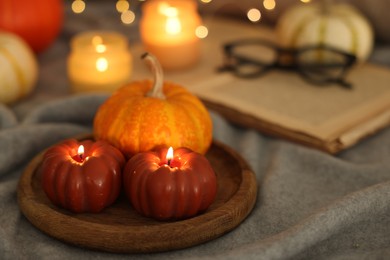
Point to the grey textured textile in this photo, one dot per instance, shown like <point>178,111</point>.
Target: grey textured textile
<point>310,205</point>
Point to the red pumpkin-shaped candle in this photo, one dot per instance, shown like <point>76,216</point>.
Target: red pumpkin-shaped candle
<point>164,188</point>
<point>144,115</point>
<point>82,181</point>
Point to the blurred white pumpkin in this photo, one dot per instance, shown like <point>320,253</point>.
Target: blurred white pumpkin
<point>18,68</point>
<point>336,24</point>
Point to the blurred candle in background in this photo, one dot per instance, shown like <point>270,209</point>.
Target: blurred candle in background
<point>99,62</point>
<point>168,31</point>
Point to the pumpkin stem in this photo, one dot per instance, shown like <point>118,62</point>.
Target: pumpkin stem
<point>157,89</point>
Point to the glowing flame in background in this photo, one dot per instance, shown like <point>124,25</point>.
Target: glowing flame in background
<point>172,24</point>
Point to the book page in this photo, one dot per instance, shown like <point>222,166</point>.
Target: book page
<point>285,99</point>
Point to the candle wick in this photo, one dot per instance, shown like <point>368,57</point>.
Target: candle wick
<point>169,162</point>
<point>81,156</point>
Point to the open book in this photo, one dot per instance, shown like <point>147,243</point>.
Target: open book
<point>281,104</point>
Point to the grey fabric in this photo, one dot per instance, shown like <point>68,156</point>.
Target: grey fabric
<point>310,205</point>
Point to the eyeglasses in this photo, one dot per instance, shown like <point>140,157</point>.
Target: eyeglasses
<point>317,64</point>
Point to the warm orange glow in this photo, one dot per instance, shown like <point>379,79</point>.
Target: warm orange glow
<point>100,48</point>
<point>168,10</point>
<point>101,64</point>
<point>96,40</point>
<point>173,25</point>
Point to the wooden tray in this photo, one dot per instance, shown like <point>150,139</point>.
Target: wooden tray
<point>121,229</point>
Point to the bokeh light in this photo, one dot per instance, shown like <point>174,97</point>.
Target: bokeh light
<point>201,32</point>
<point>78,6</point>
<point>269,4</point>
<point>122,6</point>
<point>128,17</point>
<point>254,15</point>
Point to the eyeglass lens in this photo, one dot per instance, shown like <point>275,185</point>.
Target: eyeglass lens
<point>317,64</point>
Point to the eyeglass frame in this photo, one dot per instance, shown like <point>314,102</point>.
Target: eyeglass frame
<point>280,63</point>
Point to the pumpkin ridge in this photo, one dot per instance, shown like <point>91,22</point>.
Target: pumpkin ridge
<point>190,192</point>
<point>171,110</point>
<point>60,181</point>
<point>134,125</point>
<point>189,104</point>
<point>111,164</point>
<point>195,123</point>
<point>172,90</point>
<point>18,71</point>
<point>86,200</point>
<point>322,30</point>
<point>299,29</point>
<point>197,192</point>
<point>51,189</point>
<point>74,176</point>
<point>142,124</point>
<point>354,35</point>
<point>91,187</point>
<point>121,131</point>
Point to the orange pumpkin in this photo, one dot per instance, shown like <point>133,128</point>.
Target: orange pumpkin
<point>37,22</point>
<point>144,115</point>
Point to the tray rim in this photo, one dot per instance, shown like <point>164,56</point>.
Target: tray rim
<point>229,215</point>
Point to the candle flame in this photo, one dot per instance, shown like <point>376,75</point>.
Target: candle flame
<point>169,156</point>
<point>173,25</point>
<point>80,151</point>
<point>101,64</point>
<point>170,11</point>
<point>100,48</point>
<point>167,10</point>
<point>97,41</point>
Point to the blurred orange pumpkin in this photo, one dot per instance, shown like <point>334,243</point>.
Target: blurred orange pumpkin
<point>144,115</point>
<point>37,22</point>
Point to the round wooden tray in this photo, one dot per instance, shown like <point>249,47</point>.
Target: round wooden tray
<point>121,229</point>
